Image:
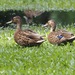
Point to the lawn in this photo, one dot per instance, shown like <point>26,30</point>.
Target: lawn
<point>46,59</point>
<point>37,4</point>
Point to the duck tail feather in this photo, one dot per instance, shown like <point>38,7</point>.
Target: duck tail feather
<point>73,37</point>
<point>40,41</point>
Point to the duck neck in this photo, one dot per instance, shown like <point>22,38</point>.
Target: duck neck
<point>19,25</point>
<point>52,29</point>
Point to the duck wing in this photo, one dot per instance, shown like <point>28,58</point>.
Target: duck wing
<point>31,34</point>
<point>65,33</point>
<point>60,37</point>
<point>29,31</point>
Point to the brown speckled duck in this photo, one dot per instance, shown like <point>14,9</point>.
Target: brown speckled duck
<point>59,36</point>
<point>25,37</point>
<point>30,14</point>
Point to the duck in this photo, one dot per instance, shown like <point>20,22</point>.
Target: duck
<point>60,36</point>
<point>25,37</point>
<point>30,15</point>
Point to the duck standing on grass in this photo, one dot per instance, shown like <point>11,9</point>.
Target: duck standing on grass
<point>60,36</point>
<point>25,37</point>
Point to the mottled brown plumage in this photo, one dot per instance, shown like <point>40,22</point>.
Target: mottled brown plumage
<point>25,37</point>
<point>60,36</point>
<point>30,14</point>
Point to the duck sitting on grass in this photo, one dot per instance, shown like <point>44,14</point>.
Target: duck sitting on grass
<point>59,36</point>
<point>25,37</point>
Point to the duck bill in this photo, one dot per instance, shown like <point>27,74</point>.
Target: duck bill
<point>45,25</point>
<point>9,22</point>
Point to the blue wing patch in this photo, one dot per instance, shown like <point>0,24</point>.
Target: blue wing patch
<point>60,36</point>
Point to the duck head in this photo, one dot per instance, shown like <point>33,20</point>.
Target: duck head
<point>17,20</point>
<point>51,24</point>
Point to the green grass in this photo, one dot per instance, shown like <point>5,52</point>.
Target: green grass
<point>37,4</point>
<point>47,59</point>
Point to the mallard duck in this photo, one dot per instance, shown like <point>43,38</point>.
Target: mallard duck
<point>25,37</point>
<point>59,36</point>
<point>30,14</point>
